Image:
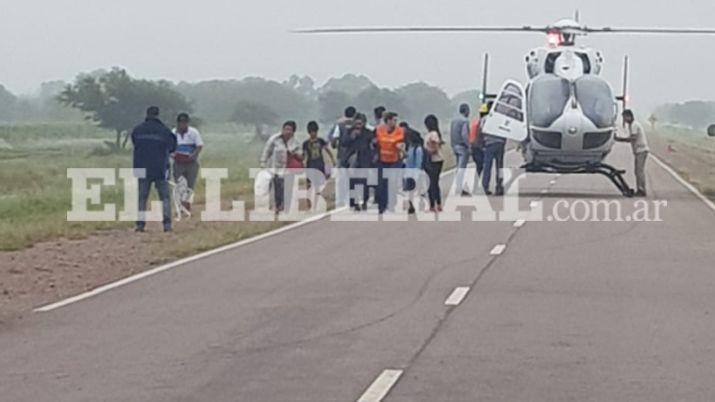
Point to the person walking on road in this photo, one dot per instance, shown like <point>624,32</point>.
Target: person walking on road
<point>186,157</point>
<point>476,140</point>
<point>153,144</point>
<point>414,162</point>
<point>338,135</point>
<point>281,152</point>
<point>338,139</point>
<point>459,138</point>
<point>434,161</point>
<point>361,154</point>
<point>390,150</point>
<point>314,149</point>
<point>639,143</point>
<point>494,148</point>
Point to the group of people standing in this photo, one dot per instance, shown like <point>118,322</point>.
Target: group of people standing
<point>384,147</point>
<point>487,151</point>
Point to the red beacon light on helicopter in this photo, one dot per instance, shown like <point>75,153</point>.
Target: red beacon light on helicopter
<point>554,38</point>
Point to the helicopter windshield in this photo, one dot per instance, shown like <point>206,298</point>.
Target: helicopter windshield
<point>596,99</point>
<point>548,96</point>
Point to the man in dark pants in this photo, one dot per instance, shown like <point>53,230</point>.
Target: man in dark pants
<point>477,139</point>
<point>390,140</point>
<point>493,155</point>
<point>153,143</point>
<point>361,153</point>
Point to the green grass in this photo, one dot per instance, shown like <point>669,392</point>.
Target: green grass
<point>35,192</point>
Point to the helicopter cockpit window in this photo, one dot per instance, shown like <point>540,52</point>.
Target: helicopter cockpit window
<point>596,99</point>
<point>511,99</point>
<point>586,62</point>
<point>548,96</point>
<point>551,62</point>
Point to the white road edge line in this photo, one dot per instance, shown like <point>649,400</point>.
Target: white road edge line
<point>498,249</point>
<point>151,272</point>
<point>684,182</point>
<point>122,282</point>
<point>381,386</point>
<point>457,296</point>
<point>519,223</point>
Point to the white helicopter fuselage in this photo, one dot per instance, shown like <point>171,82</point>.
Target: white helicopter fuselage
<point>568,112</point>
<point>583,132</point>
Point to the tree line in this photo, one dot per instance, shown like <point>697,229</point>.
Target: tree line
<point>115,100</point>
<point>695,114</point>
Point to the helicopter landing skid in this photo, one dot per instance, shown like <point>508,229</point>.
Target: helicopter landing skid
<point>613,174</point>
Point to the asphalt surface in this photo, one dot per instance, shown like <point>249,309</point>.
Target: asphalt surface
<point>568,311</point>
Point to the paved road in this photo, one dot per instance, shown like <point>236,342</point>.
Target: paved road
<point>567,312</point>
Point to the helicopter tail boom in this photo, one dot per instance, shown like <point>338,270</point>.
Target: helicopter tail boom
<point>623,98</point>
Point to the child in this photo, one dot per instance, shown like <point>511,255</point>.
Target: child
<point>313,149</point>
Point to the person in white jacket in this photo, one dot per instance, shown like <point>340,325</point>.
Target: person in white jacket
<point>277,154</point>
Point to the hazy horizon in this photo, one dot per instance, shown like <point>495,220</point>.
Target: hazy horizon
<point>219,39</point>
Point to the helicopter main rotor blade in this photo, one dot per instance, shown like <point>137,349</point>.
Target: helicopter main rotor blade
<point>348,30</point>
<point>665,31</point>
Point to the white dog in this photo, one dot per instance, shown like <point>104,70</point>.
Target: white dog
<point>182,194</point>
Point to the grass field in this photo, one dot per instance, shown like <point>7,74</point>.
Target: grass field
<point>36,192</point>
<point>690,152</point>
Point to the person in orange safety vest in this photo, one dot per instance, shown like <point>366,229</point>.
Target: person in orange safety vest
<point>390,151</point>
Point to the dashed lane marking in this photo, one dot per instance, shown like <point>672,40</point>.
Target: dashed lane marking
<point>457,296</point>
<point>498,249</point>
<point>381,386</point>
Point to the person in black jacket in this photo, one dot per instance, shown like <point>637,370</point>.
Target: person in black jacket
<point>153,144</point>
<point>360,153</point>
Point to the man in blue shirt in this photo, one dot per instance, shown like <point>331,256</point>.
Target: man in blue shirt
<point>153,144</point>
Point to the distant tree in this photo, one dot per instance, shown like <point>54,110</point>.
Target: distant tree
<point>471,97</point>
<point>332,105</point>
<point>216,100</point>
<point>116,101</point>
<point>421,100</point>
<point>257,115</point>
<point>305,86</point>
<point>350,84</point>
<point>8,103</point>
<point>368,99</point>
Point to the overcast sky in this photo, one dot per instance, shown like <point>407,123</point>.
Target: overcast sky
<point>196,40</point>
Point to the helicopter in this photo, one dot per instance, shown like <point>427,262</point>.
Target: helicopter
<point>565,116</point>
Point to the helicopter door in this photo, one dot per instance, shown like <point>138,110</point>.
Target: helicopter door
<point>507,119</point>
